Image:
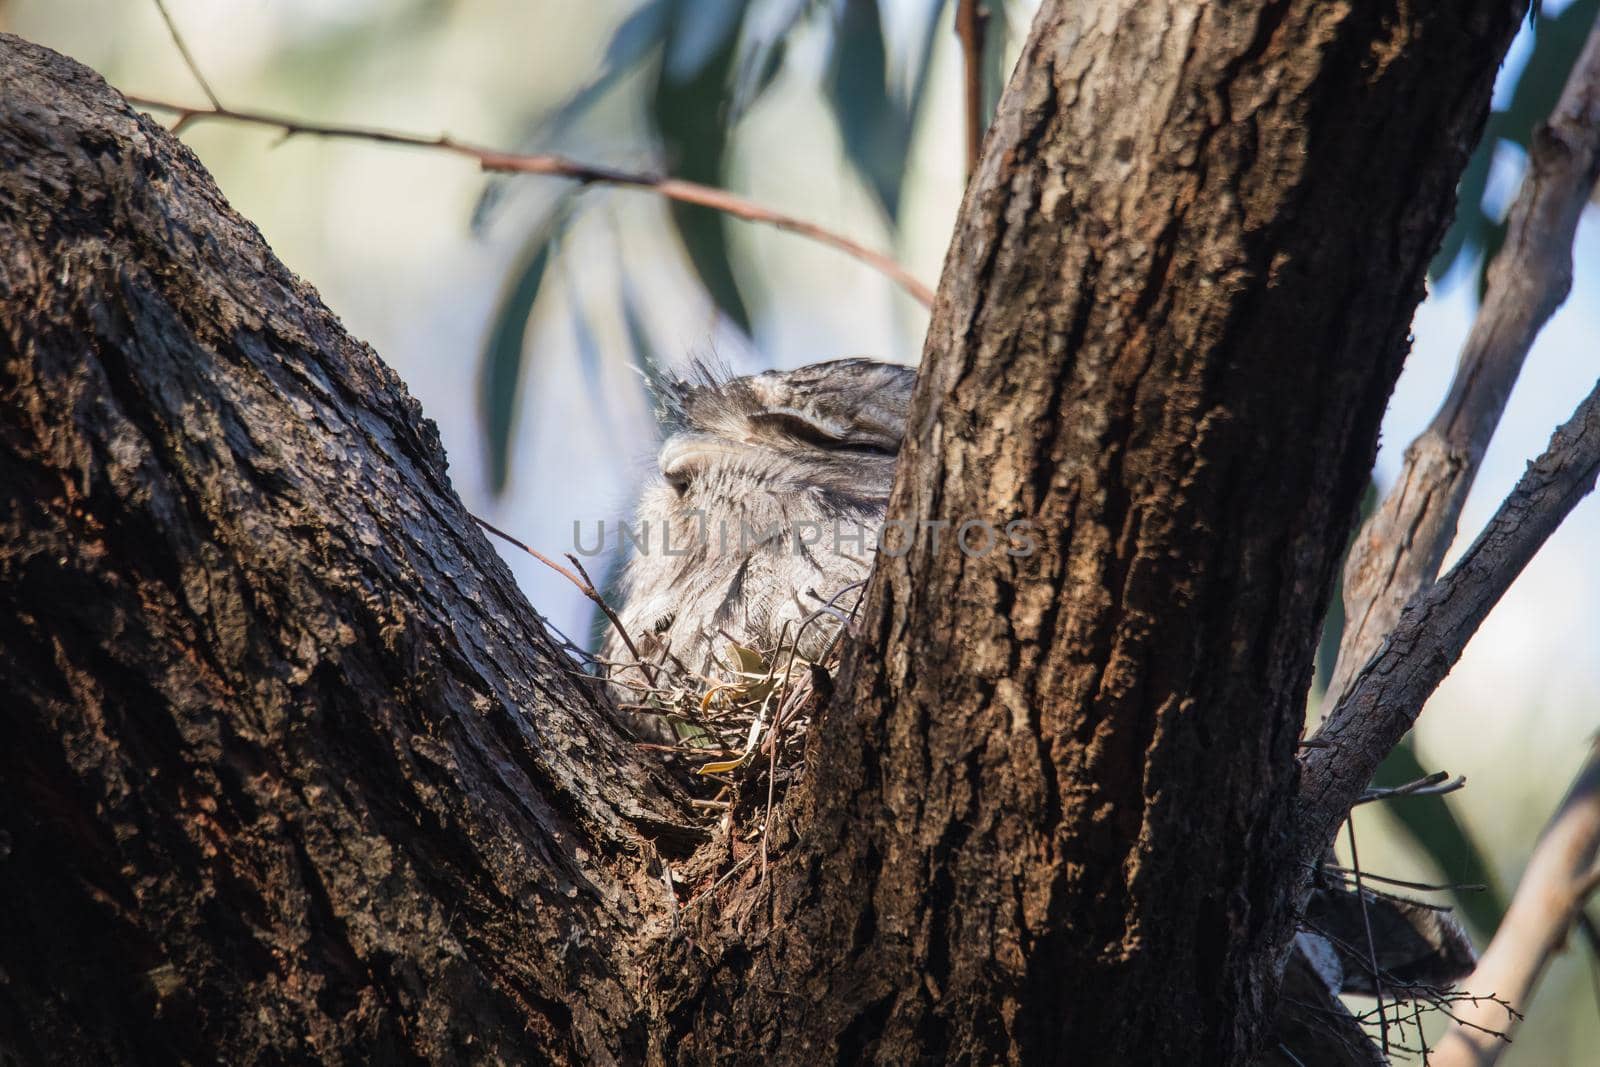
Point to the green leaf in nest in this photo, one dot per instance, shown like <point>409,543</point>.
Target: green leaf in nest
<point>750,662</point>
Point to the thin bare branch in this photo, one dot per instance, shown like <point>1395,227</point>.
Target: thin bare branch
<point>1371,946</point>
<point>585,586</point>
<point>1434,785</point>
<point>560,166</point>
<point>188,56</point>
<point>1402,545</point>
<point>1560,875</point>
<point>972,26</point>
<point>1427,887</point>
<point>1384,700</point>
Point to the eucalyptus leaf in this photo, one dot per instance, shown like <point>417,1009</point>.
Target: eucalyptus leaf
<point>690,110</point>
<point>591,359</point>
<point>639,38</point>
<point>762,42</point>
<point>996,45</point>
<point>702,32</point>
<point>500,374</point>
<point>876,118</point>
<point>871,125</point>
<point>641,350</point>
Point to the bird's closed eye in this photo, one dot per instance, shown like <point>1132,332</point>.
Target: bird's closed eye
<point>807,432</point>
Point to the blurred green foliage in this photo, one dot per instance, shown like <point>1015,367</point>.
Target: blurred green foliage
<point>699,66</point>
<point>503,349</point>
<point>1432,824</point>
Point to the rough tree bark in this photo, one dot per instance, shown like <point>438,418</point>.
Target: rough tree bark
<point>288,762</point>
<point>289,765</point>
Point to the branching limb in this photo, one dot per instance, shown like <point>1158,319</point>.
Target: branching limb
<point>337,770</point>
<point>1384,700</point>
<point>1561,875</point>
<point>1400,549</point>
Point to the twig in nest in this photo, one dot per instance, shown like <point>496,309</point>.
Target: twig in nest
<point>585,586</point>
<point>1448,887</point>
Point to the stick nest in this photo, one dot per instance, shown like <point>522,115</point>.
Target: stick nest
<point>743,723</point>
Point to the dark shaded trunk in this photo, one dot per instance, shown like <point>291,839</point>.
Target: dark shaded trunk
<point>289,765</point>
<point>288,762</point>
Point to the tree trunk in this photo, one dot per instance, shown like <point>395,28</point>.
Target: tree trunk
<point>290,769</point>
<point>289,763</point>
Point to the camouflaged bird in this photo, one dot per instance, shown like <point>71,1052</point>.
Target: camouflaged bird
<point>770,492</point>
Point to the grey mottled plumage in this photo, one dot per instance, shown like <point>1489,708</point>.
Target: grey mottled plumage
<point>770,491</point>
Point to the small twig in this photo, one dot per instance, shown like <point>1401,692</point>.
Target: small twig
<point>1560,876</point>
<point>1428,887</point>
<point>594,592</point>
<point>560,166</point>
<point>585,586</point>
<point>188,57</point>
<point>651,746</point>
<point>1295,1061</point>
<point>720,882</point>
<point>1372,946</point>
<point>972,25</point>
<point>1434,785</point>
